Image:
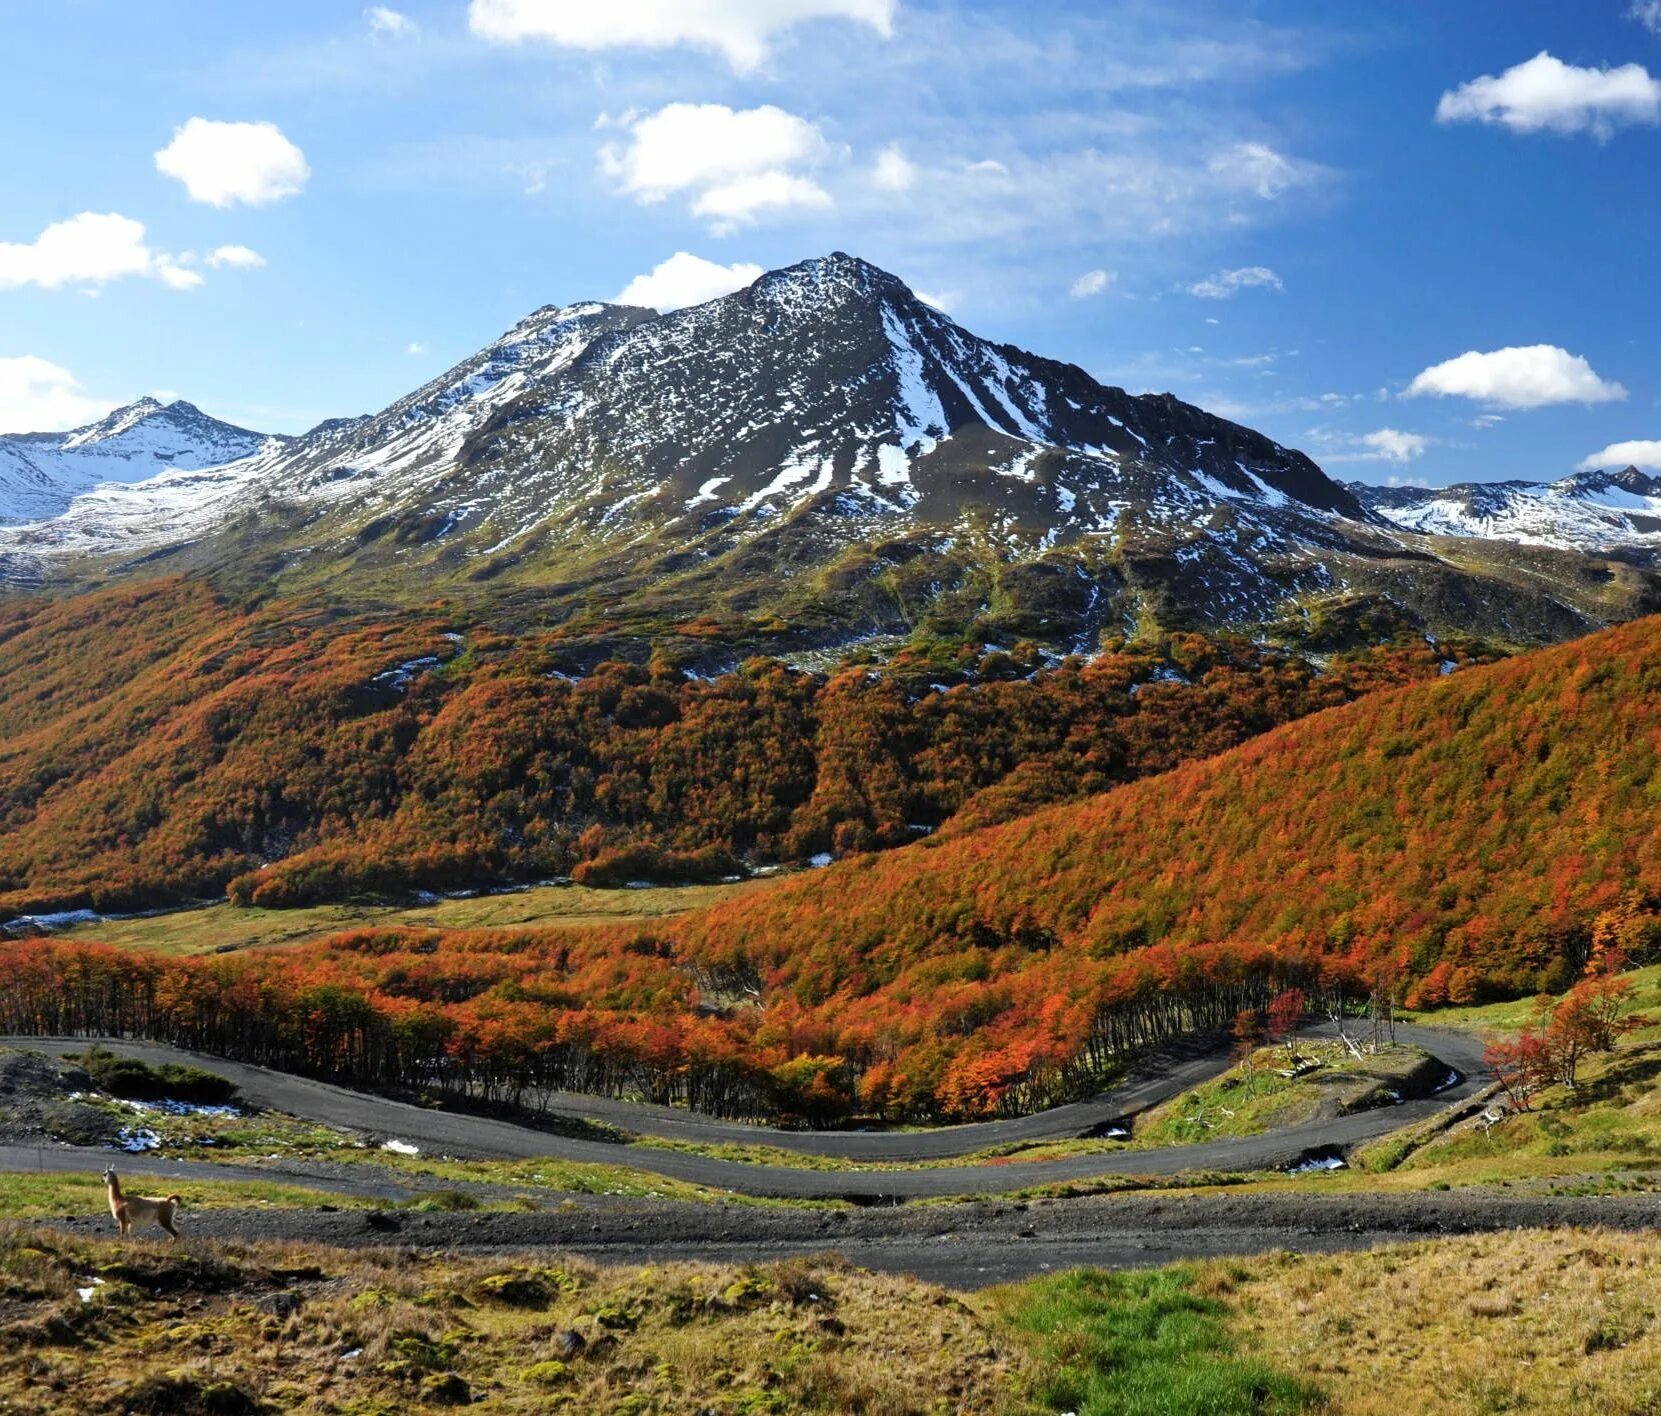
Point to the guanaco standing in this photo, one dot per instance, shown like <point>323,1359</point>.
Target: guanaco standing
<point>134,1209</point>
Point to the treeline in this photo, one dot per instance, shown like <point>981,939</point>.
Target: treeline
<point>517,1016</point>
<point>162,746</point>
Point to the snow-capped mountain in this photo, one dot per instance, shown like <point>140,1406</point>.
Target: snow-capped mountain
<point>820,454</point>
<point>1589,511</point>
<point>42,473</point>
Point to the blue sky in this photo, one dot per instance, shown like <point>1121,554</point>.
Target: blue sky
<point>1390,234</point>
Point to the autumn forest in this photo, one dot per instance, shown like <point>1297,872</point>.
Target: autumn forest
<point>1038,869</point>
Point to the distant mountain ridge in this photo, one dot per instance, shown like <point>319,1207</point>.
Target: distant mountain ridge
<point>42,473</point>
<point>1593,511</point>
<point>821,457</point>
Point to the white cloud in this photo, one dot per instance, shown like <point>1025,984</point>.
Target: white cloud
<point>731,204</point>
<point>1381,445</point>
<point>90,250</point>
<point>1092,282</point>
<point>737,163</point>
<point>893,171</point>
<point>226,163</point>
<point>1392,445</point>
<point>685,279</point>
<point>989,180</point>
<point>942,300</point>
<point>1228,283</point>
<point>38,396</point>
<point>742,30</point>
<point>1545,95</point>
<point>415,347</point>
<point>1259,169</point>
<point>392,23</point>
<point>1648,14</point>
<point>1642,452</point>
<point>1529,377</point>
<point>237,257</point>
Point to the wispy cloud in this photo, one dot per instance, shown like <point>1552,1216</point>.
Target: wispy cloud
<point>741,30</point>
<point>38,396</point>
<point>1381,445</point>
<point>1226,284</point>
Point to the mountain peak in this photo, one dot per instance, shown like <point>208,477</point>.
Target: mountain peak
<point>832,279</point>
<point>821,442</point>
<point>1593,482</point>
<point>42,473</point>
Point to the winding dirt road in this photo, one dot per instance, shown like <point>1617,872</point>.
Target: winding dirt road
<point>979,1239</point>
<point>465,1135</point>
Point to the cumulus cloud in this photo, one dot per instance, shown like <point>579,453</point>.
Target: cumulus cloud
<point>223,164</point>
<point>736,164</point>
<point>1226,284</point>
<point>389,22</point>
<point>1642,452</point>
<point>895,172</point>
<point>1092,282</point>
<point>685,279</point>
<point>38,396</point>
<point>91,250</point>
<point>1545,95</point>
<point>237,257</point>
<point>742,30</point>
<point>1528,377</point>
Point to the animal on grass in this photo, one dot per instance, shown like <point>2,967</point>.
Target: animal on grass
<point>132,1211</point>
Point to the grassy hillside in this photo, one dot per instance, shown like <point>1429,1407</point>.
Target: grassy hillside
<point>225,927</point>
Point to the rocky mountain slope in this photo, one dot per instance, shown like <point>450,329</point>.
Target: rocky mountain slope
<point>819,458</point>
<point>1590,511</point>
<point>41,474</point>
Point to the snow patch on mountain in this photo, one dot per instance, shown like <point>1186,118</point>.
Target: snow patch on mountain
<point>42,473</point>
<point>1589,511</point>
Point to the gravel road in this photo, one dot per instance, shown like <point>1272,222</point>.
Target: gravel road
<point>965,1245</point>
<point>462,1134</point>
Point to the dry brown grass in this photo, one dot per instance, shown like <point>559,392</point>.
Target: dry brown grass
<point>1530,1322</point>
<point>1556,1321</point>
<point>224,926</point>
<point>266,1327</point>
